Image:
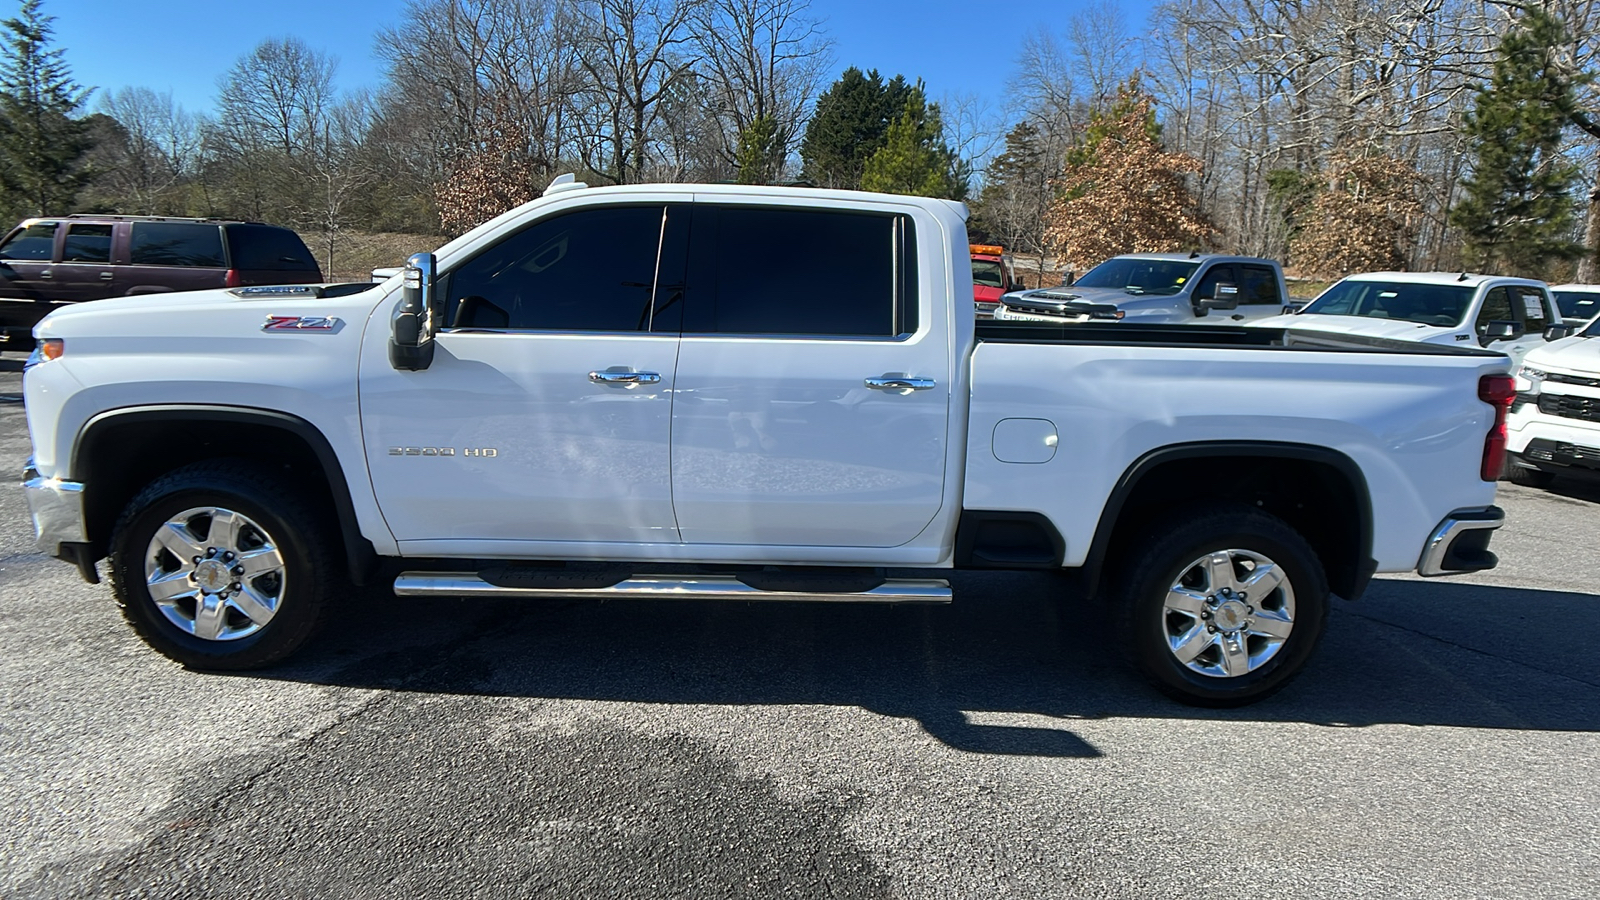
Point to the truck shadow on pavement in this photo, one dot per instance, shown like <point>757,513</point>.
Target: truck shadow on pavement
<point>1006,669</point>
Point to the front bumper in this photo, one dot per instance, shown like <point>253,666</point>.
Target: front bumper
<point>57,508</point>
<point>1460,543</point>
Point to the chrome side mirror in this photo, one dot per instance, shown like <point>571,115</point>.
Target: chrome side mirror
<point>415,319</point>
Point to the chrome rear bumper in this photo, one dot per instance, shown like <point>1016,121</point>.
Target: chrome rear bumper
<point>1460,543</point>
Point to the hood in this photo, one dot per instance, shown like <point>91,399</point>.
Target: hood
<point>1058,299</point>
<point>166,313</point>
<point>1577,355</point>
<point>1384,328</point>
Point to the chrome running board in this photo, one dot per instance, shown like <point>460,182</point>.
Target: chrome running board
<point>668,587</point>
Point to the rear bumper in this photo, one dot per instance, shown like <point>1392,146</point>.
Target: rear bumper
<point>57,509</point>
<point>1460,543</point>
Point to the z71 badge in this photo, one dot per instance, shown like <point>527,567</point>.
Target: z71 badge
<point>301,323</point>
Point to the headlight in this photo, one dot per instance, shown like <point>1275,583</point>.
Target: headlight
<point>44,351</point>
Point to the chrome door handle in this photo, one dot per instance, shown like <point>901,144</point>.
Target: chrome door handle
<point>624,377</point>
<point>45,274</point>
<point>107,276</point>
<point>902,383</point>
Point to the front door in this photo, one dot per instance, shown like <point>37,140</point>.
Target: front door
<point>811,407</point>
<point>27,293</point>
<point>546,413</point>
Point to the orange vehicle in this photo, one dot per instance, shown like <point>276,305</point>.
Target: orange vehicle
<point>993,274</point>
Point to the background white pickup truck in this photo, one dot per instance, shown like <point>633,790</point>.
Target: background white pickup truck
<point>1159,289</point>
<point>1510,315</point>
<point>1555,420</point>
<point>746,393</point>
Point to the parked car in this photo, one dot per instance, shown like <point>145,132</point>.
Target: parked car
<point>49,262</point>
<point>1159,288</point>
<point>1510,315</point>
<point>993,274</point>
<point>1579,303</point>
<point>689,390</point>
<point>1554,424</point>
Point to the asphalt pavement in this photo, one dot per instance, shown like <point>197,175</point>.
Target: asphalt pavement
<point>1441,744</point>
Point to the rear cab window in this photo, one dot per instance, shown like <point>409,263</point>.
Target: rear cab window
<point>36,243</point>
<point>801,273</point>
<point>177,244</point>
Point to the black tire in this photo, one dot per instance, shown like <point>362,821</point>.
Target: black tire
<point>308,577</point>
<point>1169,553</point>
<point>1534,478</point>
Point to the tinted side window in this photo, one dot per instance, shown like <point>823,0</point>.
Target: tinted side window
<point>1496,308</point>
<point>800,272</point>
<point>267,247</point>
<point>177,244</point>
<point>37,242</point>
<point>590,270</point>
<point>87,243</point>
<point>1222,274</point>
<point>1258,285</point>
<point>1530,310</point>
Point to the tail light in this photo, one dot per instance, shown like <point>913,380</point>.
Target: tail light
<point>1498,391</point>
<point>232,279</point>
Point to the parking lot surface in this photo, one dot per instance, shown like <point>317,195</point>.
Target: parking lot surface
<point>1441,744</point>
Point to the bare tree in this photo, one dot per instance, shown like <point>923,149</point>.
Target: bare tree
<point>157,151</point>
<point>759,60</point>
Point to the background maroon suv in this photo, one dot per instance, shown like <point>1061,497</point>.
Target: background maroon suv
<point>47,262</point>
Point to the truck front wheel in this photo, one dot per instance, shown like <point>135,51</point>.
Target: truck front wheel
<point>222,565</point>
<point>1222,606</point>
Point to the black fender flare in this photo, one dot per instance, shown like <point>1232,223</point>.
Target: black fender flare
<point>361,556</point>
<point>1365,566</point>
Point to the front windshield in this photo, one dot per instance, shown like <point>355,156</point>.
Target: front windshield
<point>1139,276</point>
<point>986,273</point>
<point>1444,305</point>
<point>1578,304</point>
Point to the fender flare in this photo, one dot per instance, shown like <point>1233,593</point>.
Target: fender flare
<point>1365,565</point>
<point>360,555</point>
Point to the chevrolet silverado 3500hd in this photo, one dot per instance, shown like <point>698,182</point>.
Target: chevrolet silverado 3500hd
<point>746,393</point>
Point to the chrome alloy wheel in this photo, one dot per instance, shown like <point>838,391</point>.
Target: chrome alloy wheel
<point>214,573</point>
<point>1228,613</point>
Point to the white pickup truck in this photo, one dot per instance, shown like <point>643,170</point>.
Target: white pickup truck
<point>1511,315</point>
<point>743,393</point>
<point>1159,289</point>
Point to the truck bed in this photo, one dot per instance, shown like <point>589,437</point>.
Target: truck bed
<point>1214,336</point>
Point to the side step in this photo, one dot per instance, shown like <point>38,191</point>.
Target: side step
<point>669,587</point>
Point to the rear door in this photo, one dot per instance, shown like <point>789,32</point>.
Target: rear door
<point>811,405</point>
<point>173,256</point>
<point>85,271</point>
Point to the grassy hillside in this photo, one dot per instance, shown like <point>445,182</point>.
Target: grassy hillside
<point>357,253</point>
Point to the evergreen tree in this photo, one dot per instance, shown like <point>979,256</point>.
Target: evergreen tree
<point>1517,212</point>
<point>849,125</point>
<point>759,148</point>
<point>914,158</point>
<point>1017,190</point>
<point>41,141</point>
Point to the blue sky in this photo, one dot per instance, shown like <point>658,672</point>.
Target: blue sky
<point>184,46</point>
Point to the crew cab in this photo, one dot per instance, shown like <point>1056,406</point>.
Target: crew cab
<point>1554,425</point>
<point>993,273</point>
<point>589,397</point>
<point>1159,288</point>
<point>1511,315</point>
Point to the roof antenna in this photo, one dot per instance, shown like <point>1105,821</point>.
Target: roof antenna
<point>1463,277</point>
<point>1194,254</point>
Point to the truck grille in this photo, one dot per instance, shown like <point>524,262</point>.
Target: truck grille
<point>1572,379</point>
<point>1585,408</point>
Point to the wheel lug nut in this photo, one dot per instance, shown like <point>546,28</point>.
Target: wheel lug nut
<point>227,557</point>
<point>238,570</point>
<point>210,552</point>
<point>1211,628</point>
<point>197,560</point>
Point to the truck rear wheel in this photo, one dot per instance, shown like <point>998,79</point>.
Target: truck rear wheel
<point>1223,606</point>
<point>222,565</point>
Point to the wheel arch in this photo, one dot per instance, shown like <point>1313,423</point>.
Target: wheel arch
<point>1278,477</point>
<point>119,451</point>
